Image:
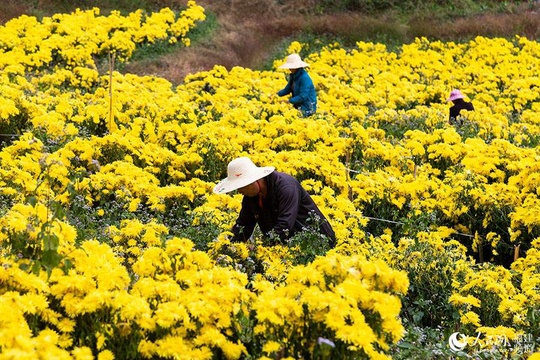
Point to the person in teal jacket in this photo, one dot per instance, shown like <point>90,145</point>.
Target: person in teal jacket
<point>300,86</point>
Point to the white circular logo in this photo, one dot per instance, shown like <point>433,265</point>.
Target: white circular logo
<point>455,344</point>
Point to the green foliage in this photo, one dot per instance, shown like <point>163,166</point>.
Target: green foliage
<point>307,245</point>
<point>92,221</point>
<point>396,127</point>
<point>231,254</point>
<point>430,274</point>
<point>181,224</point>
<point>204,30</point>
<point>37,245</point>
<point>423,343</point>
<point>381,211</point>
<point>153,51</point>
<point>14,126</point>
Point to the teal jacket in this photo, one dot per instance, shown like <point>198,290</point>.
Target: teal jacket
<point>304,96</point>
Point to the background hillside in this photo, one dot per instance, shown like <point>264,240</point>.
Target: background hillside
<point>250,33</point>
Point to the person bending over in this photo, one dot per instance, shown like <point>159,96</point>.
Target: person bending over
<point>459,104</point>
<point>273,200</point>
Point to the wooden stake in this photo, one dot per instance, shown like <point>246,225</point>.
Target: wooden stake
<point>481,253</point>
<point>111,68</point>
<point>516,252</point>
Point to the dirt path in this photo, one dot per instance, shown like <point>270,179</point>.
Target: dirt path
<point>245,34</point>
<point>248,32</point>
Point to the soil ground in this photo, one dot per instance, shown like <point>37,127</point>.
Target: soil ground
<point>248,32</point>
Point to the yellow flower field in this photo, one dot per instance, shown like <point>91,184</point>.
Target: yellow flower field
<point>113,245</point>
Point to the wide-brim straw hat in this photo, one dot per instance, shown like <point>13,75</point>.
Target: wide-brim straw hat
<point>241,172</point>
<point>455,94</point>
<point>293,61</point>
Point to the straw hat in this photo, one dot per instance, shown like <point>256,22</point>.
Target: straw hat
<point>241,172</point>
<point>293,62</point>
<point>455,94</point>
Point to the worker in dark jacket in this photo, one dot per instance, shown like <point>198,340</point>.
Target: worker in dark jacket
<point>457,99</point>
<point>273,200</point>
<point>300,86</point>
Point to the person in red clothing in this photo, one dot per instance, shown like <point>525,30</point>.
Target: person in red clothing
<point>273,200</point>
<point>459,104</point>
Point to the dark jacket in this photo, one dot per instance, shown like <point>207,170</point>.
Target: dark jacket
<point>304,96</point>
<point>459,105</point>
<point>287,209</point>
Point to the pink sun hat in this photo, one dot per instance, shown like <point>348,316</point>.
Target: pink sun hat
<point>241,172</point>
<point>455,94</point>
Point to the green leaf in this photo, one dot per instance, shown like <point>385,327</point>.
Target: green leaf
<point>32,200</point>
<point>50,242</point>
